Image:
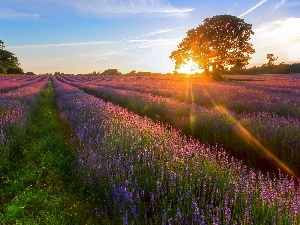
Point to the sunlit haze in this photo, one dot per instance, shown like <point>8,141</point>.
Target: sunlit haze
<point>85,36</point>
<point>189,67</point>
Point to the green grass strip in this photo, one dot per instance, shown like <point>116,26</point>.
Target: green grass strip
<point>40,187</point>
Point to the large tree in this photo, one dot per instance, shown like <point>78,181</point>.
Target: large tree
<point>219,43</point>
<point>9,63</point>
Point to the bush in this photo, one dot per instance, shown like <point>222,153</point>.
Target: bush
<point>2,70</point>
<point>14,70</point>
<point>30,73</point>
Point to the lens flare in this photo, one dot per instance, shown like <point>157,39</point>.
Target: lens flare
<point>250,139</point>
<point>189,95</point>
<point>190,67</point>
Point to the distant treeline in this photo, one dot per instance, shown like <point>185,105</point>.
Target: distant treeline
<point>117,72</point>
<point>281,68</point>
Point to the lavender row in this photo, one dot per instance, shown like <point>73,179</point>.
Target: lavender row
<point>28,94</point>
<point>274,94</point>
<point>10,83</point>
<point>149,173</point>
<point>279,135</point>
<point>15,109</point>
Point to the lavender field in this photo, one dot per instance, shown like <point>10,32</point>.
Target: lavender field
<point>255,120</point>
<point>172,149</point>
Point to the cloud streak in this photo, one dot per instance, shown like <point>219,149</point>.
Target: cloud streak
<point>160,31</point>
<point>292,4</point>
<point>98,7</point>
<point>60,44</point>
<point>253,8</point>
<point>9,14</point>
<point>278,4</point>
<point>149,43</point>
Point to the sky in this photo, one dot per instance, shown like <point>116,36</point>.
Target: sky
<point>82,36</point>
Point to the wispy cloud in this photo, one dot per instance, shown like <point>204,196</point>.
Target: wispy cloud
<point>148,43</point>
<point>162,31</point>
<point>9,14</point>
<point>279,36</point>
<point>159,31</point>
<point>280,26</point>
<point>278,4</point>
<point>253,8</point>
<point>61,44</point>
<point>291,4</point>
<point>97,7</point>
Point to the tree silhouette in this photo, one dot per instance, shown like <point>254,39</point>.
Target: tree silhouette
<point>132,72</point>
<point>271,59</point>
<point>9,63</point>
<point>111,72</point>
<point>219,43</point>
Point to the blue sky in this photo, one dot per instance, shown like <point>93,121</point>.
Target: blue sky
<point>81,36</point>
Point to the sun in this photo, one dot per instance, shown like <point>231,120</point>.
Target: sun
<point>190,67</point>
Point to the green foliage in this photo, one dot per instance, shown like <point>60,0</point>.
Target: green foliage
<point>2,70</point>
<point>9,63</point>
<point>294,68</point>
<point>222,41</point>
<point>14,70</point>
<point>1,45</point>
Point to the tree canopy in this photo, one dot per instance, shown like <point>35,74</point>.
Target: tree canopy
<point>111,72</point>
<point>9,63</point>
<point>271,59</point>
<point>219,43</point>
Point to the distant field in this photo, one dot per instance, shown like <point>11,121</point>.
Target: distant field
<point>169,149</point>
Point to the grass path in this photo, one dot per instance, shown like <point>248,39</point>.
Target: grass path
<point>41,188</point>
